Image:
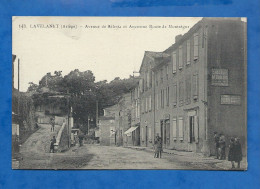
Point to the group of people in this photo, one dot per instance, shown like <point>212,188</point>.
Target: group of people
<point>234,149</point>
<point>158,147</point>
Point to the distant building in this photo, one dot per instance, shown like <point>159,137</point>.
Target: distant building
<point>107,126</point>
<point>195,87</point>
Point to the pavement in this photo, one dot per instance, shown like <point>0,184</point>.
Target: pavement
<point>198,158</point>
<point>35,155</point>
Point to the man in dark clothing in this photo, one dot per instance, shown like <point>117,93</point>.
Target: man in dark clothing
<point>53,141</point>
<point>216,138</point>
<point>222,147</point>
<point>231,152</point>
<point>237,152</point>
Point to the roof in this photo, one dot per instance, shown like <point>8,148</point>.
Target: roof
<point>153,55</point>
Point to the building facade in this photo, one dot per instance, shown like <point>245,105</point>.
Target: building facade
<point>195,87</point>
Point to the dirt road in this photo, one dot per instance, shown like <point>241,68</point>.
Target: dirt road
<point>35,153</point>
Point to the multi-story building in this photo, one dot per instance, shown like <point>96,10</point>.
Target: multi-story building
<point>133,133</point>
<point>195,87</point>
<point>108,125</point>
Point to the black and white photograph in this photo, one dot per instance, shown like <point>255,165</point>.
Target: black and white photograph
<point>109,93</point>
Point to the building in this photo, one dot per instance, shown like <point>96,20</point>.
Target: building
<point>107,126</point>
<point>133,133</point>
<point>195,87</point>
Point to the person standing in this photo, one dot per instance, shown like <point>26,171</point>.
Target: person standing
<point>216,139</point>
<point>159,147</point>
<point>53,141</point>
<point>222,146</point>
<point>231,152</point>
<point>156,146</point>
<point>237,152</point>
<point>52,124</point>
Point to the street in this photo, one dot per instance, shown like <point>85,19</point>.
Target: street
<point>35,153</point>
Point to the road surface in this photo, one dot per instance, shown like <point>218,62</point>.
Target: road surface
<point>35,153</point>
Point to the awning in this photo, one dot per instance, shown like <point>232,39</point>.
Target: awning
<point>131,129</point>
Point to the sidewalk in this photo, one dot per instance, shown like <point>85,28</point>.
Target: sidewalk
<point>196,157</point>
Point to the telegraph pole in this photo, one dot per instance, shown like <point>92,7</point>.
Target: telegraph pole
<point>96,113</point>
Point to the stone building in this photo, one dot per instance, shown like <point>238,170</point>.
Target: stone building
<point>195,87</point>
<point>107,126</point>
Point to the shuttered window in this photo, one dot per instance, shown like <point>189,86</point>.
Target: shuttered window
<point>181,92</point>
<point>174,95</point>
<point>180,128</point>
<point>150,102</point>
<point>196,46</point>
<point>180,57</point>
<point>167,96</point>
<point>188,89</point>
<point>174,128</point>
<point>188,52</point>
<point>174,62</point>
<point>195,86</point>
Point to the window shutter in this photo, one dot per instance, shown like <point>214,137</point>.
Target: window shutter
<point>189,131</point>
<point>174,95</point>
<point>174,62</point>
<point>174,128</point>
<point>188,52</point>
<point>196,46</point>
<point>180,57</point>
<point>196,129</point>
<point>180,128</point>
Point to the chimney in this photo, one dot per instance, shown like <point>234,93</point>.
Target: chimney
<point>177,38</point>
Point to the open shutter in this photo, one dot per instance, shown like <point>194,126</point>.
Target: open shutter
<point>196,129</point>
<point>174,128</point>
<point>188,129</point>
<point>180,128</point>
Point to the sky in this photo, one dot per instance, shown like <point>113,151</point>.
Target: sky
<point>48,44</point>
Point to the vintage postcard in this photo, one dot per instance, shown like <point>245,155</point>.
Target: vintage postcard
<point>129,93</point>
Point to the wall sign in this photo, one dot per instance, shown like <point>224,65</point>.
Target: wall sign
<point>219,77</point>
<point>231,99</point>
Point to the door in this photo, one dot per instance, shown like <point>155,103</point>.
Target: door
<point>193,129</point>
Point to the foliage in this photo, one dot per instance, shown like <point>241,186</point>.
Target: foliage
<point>83,93</point>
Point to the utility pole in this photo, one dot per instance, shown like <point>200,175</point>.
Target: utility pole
<point>96,113</point>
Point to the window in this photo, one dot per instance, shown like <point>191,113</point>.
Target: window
<point>180,58</point>
<point>142,85</point>
<point>167,96</point>
<point>147,80</point>
<point>161,74</point>
<point>174,128</point>
<point>150,79</point>
<point>174,62</point>
<point>142,133</point>
<point>188,52</point>
<point>180,124</point>
<point>158,101</point>
<point>181,92</point>
<point>149,133</point>
<point>196,47</point>
<point>167,72</point>
<point>174,95</point>
<point>146,104</point>
<point>188,89</point>
<point>162,98</point>
<point>156,78</point>
<point>195,86</point>
<point>150,102</point>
